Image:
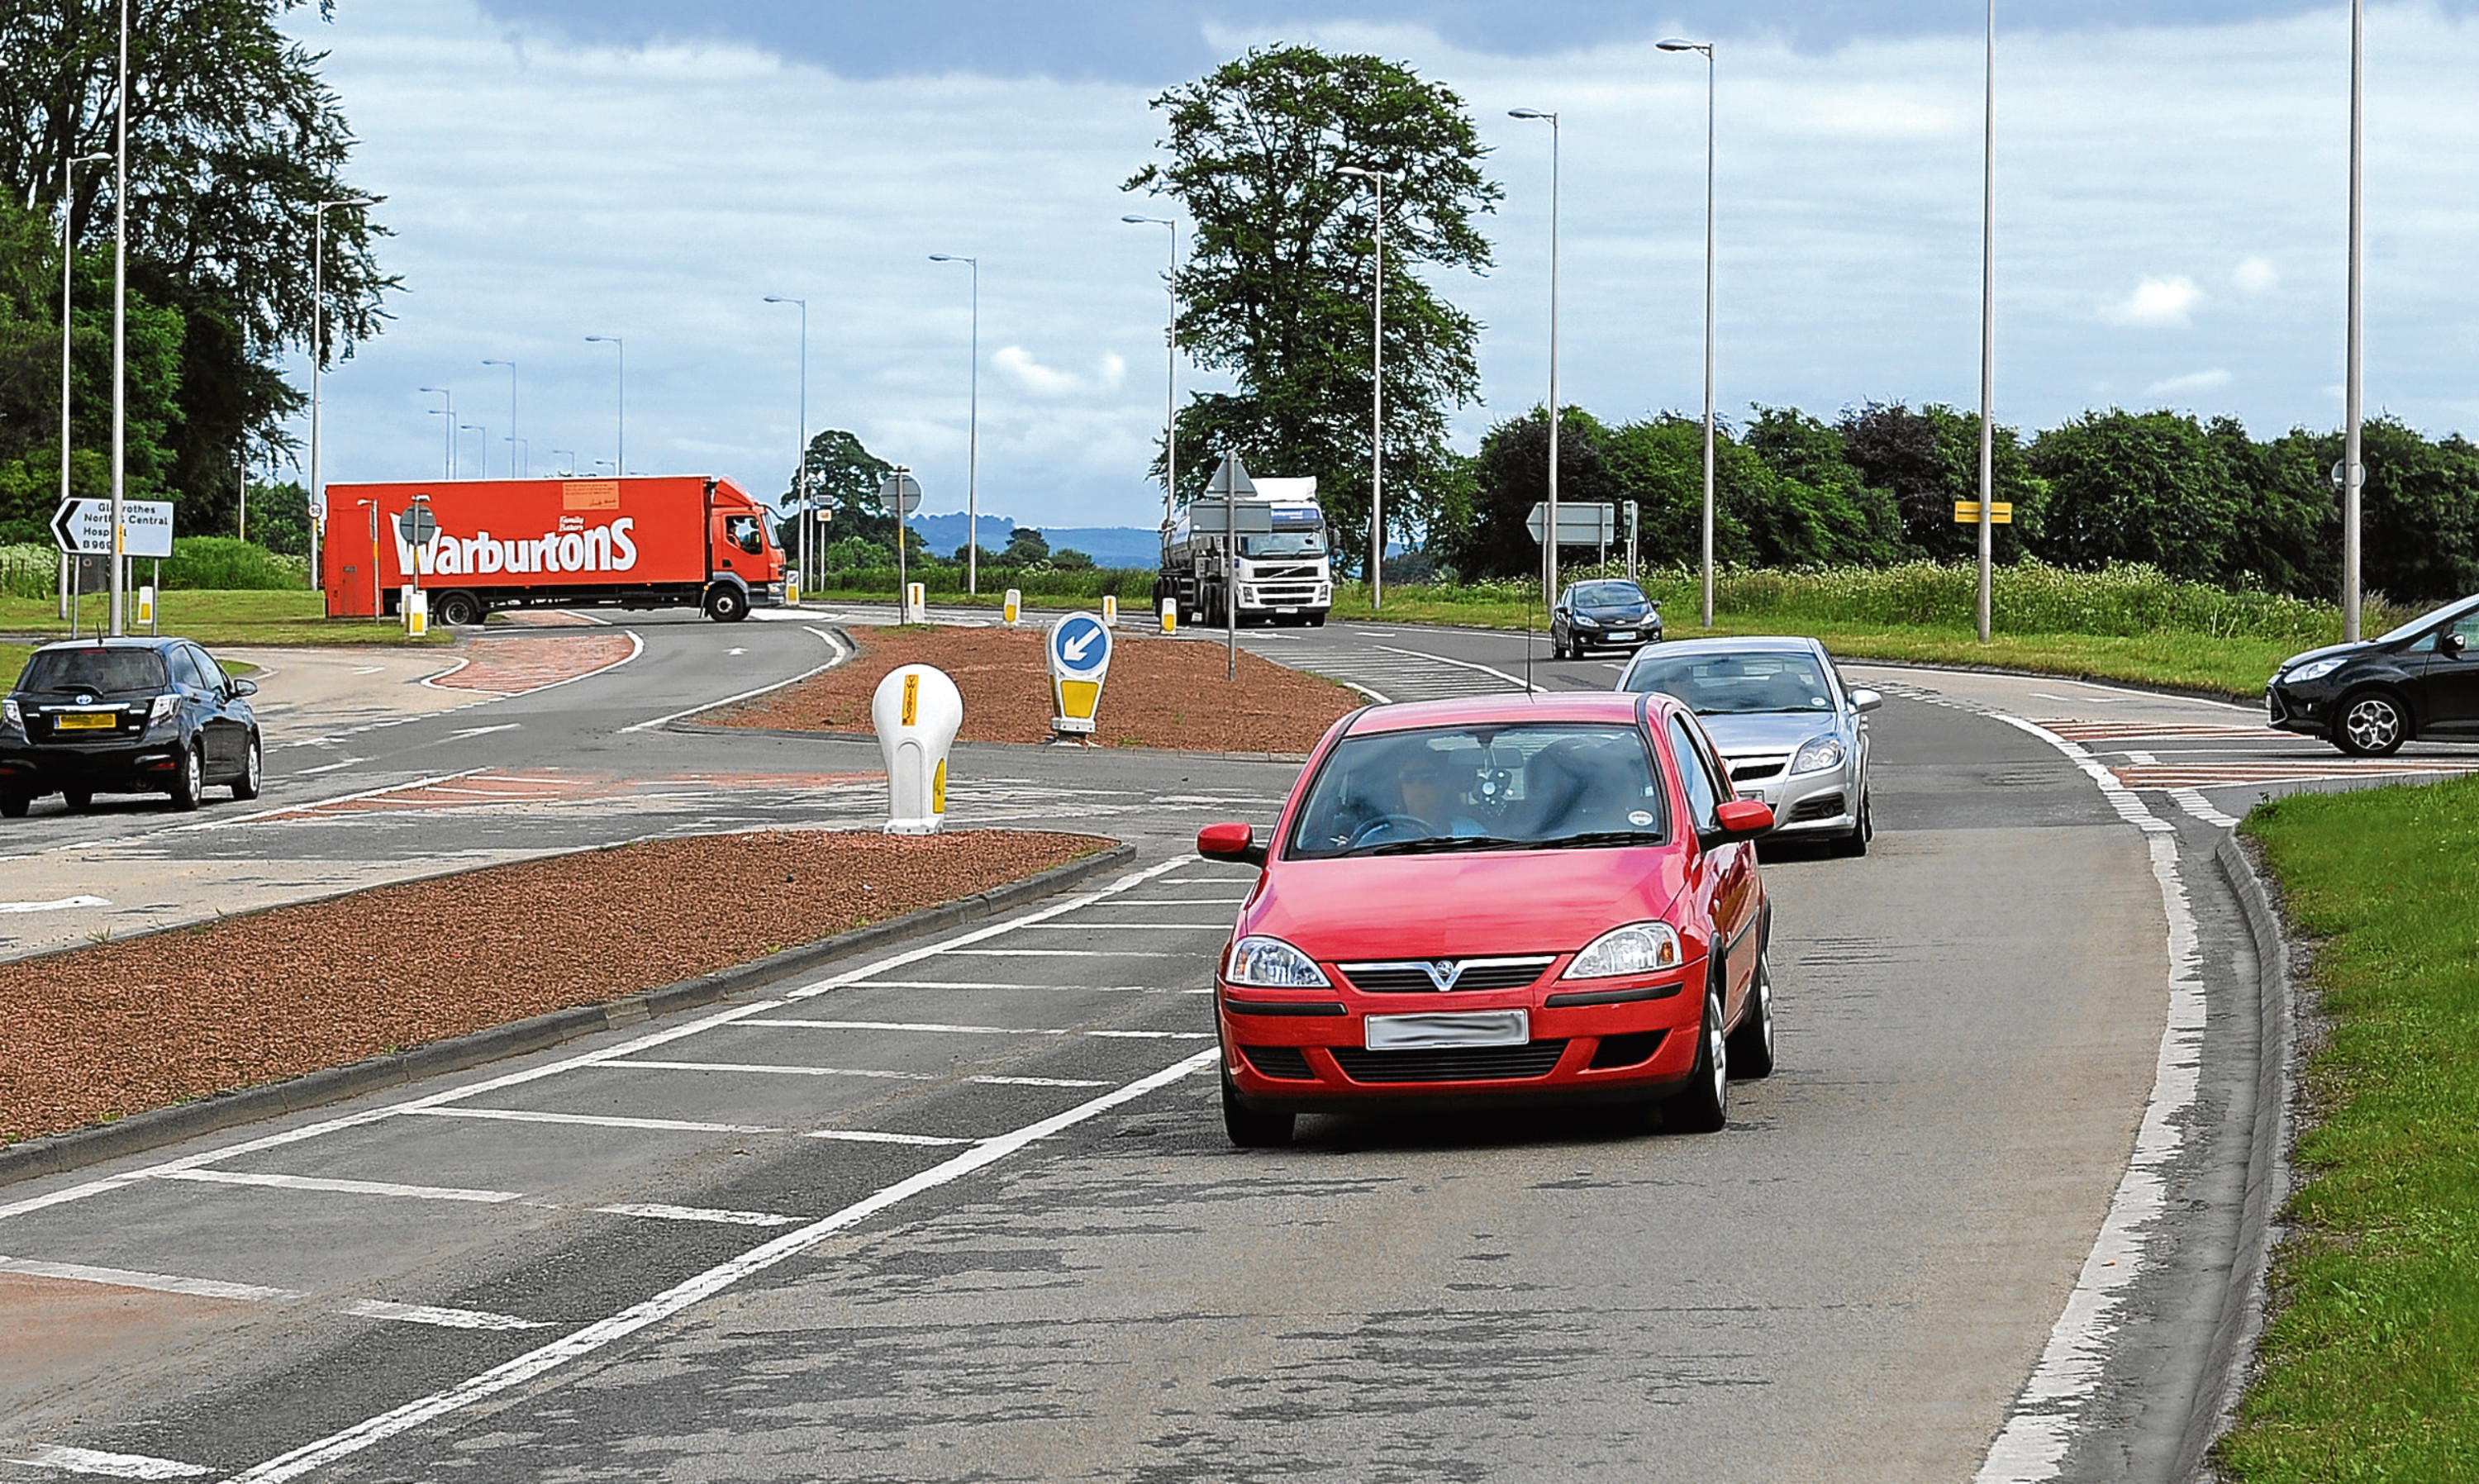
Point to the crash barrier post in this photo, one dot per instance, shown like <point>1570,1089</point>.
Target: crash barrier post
<point>146,607</point>
<point>1170,615</point>
<point>1080,657</point>
<point>916,711</point>
<point>1110,611</point>
<point>1014,608</point>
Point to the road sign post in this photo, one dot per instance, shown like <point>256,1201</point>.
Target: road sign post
<point>916,711</point>
<point>1579,524</point>
<point>1080,657</point>
<point>1231,481</point>
<point>901,492</point>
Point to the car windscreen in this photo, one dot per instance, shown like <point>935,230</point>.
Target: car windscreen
<point>1735,684</point>
<point>2429,619</point>
<point>1284,543</point>
<point>1608,595</point>
<point>1528,787</point>
<point>102,671</point>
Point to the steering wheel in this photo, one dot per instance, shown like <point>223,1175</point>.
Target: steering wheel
<point>1418,829</point>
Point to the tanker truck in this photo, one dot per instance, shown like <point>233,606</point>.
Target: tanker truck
<point>1281,573</point>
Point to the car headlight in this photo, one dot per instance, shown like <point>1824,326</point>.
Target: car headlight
<point>1638,948</point>
<point>10,713</point>
<point>1270,963</point>
<point>1588,620</point>
<point>2316,669</point>
<point>1819,754</point>
<point>162,709</point>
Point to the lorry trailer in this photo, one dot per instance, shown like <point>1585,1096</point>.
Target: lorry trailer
<point>1281,573</point>
<point>670,541</point>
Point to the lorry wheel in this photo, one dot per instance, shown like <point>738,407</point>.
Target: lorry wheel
<point>14,806</point>
<point>1316,621</point>
<point>726,604</point>
<point>457,609</point>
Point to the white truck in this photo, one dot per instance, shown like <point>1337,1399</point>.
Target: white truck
<point>1281,574</point>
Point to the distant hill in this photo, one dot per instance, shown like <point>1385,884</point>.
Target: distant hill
<point>1110,546</point>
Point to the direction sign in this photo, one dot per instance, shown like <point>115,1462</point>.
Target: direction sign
<point>1219,517</point>
<point>899,493</point>
<point>83,527</point>
<point>417,526</point>
<point>1966,512</point>
<point>1580,525</point>
<point>1080,657</point>
<point>1230,480</point>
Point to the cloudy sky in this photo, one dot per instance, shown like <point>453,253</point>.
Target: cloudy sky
<point>2170,196</point>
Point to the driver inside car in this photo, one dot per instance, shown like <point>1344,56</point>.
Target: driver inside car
<point>1431,796</point>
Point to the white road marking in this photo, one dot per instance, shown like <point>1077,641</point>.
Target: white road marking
<point>1036,1081</point>
<point>838,657</point>
<point>110,1466</point>
<point>444,1318</point>
<point>1065,953</point>
<point>771,1068</point>
<point>418,1193</point>
<point>326,767</point>
<point>1182,901</point>
<point>701,1213</point>
<point>126,1278</point>
<point>944,1029</point>
<point>2193,802</point>
<point>482,732</point>
<point>598,1120</point>
<point>868,1137</point>
<point>1466,664</point>
<point>1138,926</point>
<point>735,652</point>
<point>56,905</point>
<point>983,983</point>
<point>2142,760</point>
<point>715,1280</point>
<point>363,669</point>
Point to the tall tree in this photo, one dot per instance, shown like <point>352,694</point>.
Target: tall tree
<point>2152,487</point>
<point>1928,460</point>
<point>1277,289</point>
<point>233,138</point>
<point>1512,475</point>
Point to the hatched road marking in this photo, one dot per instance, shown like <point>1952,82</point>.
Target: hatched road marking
<point>109,1466</point>
<point>444,1318</point>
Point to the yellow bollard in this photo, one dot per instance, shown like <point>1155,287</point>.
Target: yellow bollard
<point>1109,610</point>
<point>1014,608</point>
<point>1170,615</point>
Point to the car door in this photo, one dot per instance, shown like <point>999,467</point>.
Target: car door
<point>221,730</point>
<point>1729,880</point>
<point>2452,681</point>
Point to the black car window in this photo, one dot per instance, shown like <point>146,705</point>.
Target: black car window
<point>185,668</point>
<point>1608,595</point>
<point>103,671</point>
<point>1704,795</point>
<point>1718,684</point>
<point>209,674</point>
<point>1484,786</point>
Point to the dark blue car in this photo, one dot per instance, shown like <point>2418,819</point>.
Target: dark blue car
<point>1610,613</point>
<point>151,715</point>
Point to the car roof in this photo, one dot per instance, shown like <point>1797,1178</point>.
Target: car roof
<point>122,642</point>
<point>1754,644</point>
<point>1588,705</point>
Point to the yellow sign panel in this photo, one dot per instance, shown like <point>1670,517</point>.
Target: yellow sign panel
<point>939,788</point>
<point>1999,512</point>
<point>1076,699</point>
<point>911,699</point>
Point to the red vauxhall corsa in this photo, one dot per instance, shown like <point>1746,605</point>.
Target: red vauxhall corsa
<point>1550,898</point>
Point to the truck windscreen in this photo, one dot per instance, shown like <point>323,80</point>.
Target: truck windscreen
<point>1284,543</point>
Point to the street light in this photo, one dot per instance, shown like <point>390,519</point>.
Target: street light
<point>567,460</point>
<point>619,464</point>
<point>1707,47</point>
<point>1170,369</point>
<point>800,462</point>
<point>318,361</point>
<point>68,265</point>
<point>1549,530</point>
<point>512,413</point>
<point>482,436</point>
<point>520,452</point>
<point>973,444</point>
<point>448,452</point>
<point>121,316</point>
<point>2354,474</point>
<point>1377,397</point>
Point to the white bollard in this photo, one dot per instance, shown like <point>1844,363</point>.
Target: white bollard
<point>146,605</point>
<point>1014,606</point>
<point>916,603</point>
<point>1109,610</point>
<point>417,613</point>
<point>792,592</point>
<point>1170,615</point>
<point>916,711</point>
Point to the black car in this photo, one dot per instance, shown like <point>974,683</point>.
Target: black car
<point>2368,699</point>
<point>1607,614</point>
<point>126,716</point>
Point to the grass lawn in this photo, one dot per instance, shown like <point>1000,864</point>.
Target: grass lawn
<point>2369,1364</point>
<point>219,618</point>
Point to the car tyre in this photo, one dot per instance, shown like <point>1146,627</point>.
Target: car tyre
<point>246,786</point>
<point>1751,1044</point>
<point>78,800</point>
<point>1704,1105</point>
<point>1856,843</point>
<point>1250,1127</point>
<point>2371,724</point>
<point>15,806</point>
<point>189,780</point>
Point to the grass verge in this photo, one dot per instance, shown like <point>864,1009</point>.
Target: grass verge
<point>220,617</point>
<point>2368,1365</point>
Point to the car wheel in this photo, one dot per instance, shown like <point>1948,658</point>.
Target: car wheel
<point>1856,843</point>
<point>1751,1044</point>
<point>1249,1128</point>
<point>189,780</point>
<point>2371,724</point>
<point>14,806</point>
<point>1704,1105</point>
<point>246,786</point>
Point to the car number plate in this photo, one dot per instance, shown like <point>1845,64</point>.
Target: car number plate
<point>1623,633</point>
<point>1446,1029</point>
<point>85,721</point>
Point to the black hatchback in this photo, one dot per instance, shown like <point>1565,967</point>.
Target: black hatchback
<point>148,715</point>
<point>2368,699</point>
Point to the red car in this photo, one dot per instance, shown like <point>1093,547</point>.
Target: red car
<point>1468,902</point>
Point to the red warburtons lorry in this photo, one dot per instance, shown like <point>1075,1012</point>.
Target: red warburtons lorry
<point>639,542</point>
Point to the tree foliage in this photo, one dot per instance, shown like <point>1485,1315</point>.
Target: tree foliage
<point>1278,287</point>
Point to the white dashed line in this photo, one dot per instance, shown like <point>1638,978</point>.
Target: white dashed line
<point>444,1318</point>
<point>418,1193</point>
<point>700,1213</point>
<point>2193,802</point>
<point>598,1120</point>
<point>109,1466</point>
<point>868,1137</point>
<point>157,1282</point>
<point>771,1068</point>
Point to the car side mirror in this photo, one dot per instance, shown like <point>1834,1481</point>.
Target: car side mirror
<point>1235,843</point>
<point>1865,701</point>
<point>1740,819</point>
<point>2452,643</point>
<point>241,688</point>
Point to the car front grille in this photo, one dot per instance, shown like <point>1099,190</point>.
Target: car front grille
<point>1821,807</point>
<point>1629,1050</point>
<point>1412,977</point>
<point>1756,768</point>
<point>1459,1063</point>
<point>1288,1063</point>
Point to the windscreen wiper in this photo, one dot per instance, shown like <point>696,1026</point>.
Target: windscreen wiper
<point>1597,837</point>
<point>1435,843</point>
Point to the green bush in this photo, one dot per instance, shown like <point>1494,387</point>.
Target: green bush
<point>224,564</point>
<point>1128,584</point>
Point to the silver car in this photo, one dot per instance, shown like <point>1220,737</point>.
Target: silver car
<point>1792,733</point>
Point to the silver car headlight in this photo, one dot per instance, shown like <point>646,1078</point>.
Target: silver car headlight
<point>1817,753</point>
<point>1270,963</point>
<point>1638,948</point>
<point>2316,669</point>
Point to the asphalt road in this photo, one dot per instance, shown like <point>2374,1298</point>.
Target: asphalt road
<point>966,1212</point>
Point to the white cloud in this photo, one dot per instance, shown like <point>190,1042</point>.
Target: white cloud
<point>2194,381</point>
<point>1019,366</point>
<point>2256,276</point>
<point>2157,304</point>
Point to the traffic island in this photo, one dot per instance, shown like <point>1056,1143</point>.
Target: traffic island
<point>1161,693</point>
<point>162,1022</point>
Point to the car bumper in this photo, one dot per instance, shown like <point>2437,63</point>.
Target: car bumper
<point>2305,709</point>
<point>1809,803</point>
<point>122,767</point>
<point>1304,1051</point>
<point>1626,637</point>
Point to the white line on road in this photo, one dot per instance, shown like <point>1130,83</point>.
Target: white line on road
<point>769,1066</point>
<point>983,983</point>
<point>1070,952</point>
<point>1464,664</point>
<point>418,1193</point>
<point>1036,1081</point>
<point>56,905</point>
<point>444,1318</point>
<point>594,1337</point>
<point>701,1213</point>
<point>598,1120</point>
<point>838,657</point>
<point>482,732</point>
<point>2193,802</point>
<point>870,1137</point>
<point>110,1466</point>
<point>326,767</point>
<point>125,1278</point>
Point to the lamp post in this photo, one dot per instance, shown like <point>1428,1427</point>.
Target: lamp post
<point>1988,323</point>
<point>973,437</point>
<point>2354,474</point>
<point>482,436</point>
<point>1707,47</point>
<point>1549,530</point>
<point>620,450</point>
<point>1170,369</point>
<point>520,455</point>
<point>801,460</point>
<point>121,315</point>
<point>1376,396</point>
<point>448,449</point>
<point>567,460</point>
<point>318,365</point>
<point>512,413</point>
<point>68,265</point>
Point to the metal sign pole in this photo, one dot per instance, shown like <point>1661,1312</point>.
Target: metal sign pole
<point>1230,569</point>
<point>903,571</point>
